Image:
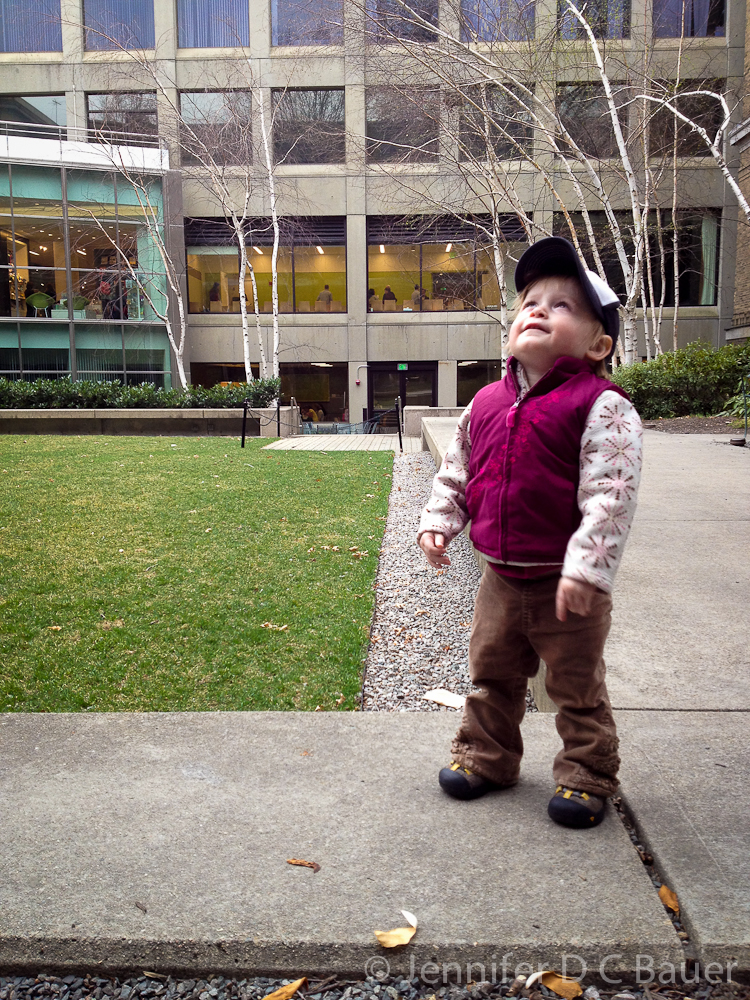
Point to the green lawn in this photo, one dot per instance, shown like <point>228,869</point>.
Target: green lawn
<point>141,574</point>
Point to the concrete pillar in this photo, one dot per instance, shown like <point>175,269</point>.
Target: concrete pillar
<point>357,393</point>
<point>165,29</point>
<point>71,14</point>
<point>447,383</point>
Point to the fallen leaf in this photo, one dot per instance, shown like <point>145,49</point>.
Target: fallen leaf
<point>153,975</point>
<point>117,623</point>
<point>276,628</point>
<point>141,907</point>
<point>335,548</point>
<point>397,937</point>
<point>304,864</point>
<point>448,698</point>
<point>669,899</point>
<point>411,918</point>
<point>564,986</point>
<point>54,628</point>
<point>288,991</point>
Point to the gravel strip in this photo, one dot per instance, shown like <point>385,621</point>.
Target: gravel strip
<point>420,631</point>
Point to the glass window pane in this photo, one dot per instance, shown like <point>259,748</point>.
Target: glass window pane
<point>391,19</point>
<point>494,121</point>
<point>119,24</point>
<point>320,387</point>
<point>704,111</point>
<point>219,123</point>
<point>261,263</point>
<point>448,275</point>
<point>308,126</point>
<point>307,22</point>
<point>497,20</point>
<point>475,375</point>
<point>47,112</point>
<point>10,361</point>
<point>689,18</point>
<point>30,27</point>
<point>213,277</point>
<point>123,117</point>
<point>401,130</point>
<point>392,277</point>
<point>45,350</point>
<point>584,112</point>
<point>608,19</point>
<point>320,279</point>
<point>213,23</point>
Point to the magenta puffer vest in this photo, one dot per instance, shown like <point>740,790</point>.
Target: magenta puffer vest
<point>524,466</point>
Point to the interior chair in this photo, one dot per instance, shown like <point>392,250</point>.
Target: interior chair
<point>321,307</point>
<point>303,306</point>
<point>389,306</point>
<point>336,307</point>
<point>40,302</point>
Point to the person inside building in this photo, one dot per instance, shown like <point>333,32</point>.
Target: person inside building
<point>372,298</point>
<point>416,298</point>
<point>214,294</point>
<point>388,295</point>
<point>325,295</point>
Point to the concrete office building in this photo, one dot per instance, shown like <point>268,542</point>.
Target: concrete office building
<point>347,216</point>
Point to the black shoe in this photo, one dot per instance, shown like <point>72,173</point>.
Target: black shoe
<point>580,810</point>
<point>461,783</point>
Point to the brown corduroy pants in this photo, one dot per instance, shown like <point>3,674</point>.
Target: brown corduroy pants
<point>514,626</point>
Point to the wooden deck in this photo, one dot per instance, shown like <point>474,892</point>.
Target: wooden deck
<point>345,442</point>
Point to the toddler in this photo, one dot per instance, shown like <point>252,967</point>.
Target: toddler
<point>545,464</point>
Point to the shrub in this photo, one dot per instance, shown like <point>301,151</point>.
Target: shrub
<point>694,380</point>
<point>45,393</point>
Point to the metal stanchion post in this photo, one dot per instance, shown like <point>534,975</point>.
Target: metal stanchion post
<point>278,417</point>
<point>398,423</point>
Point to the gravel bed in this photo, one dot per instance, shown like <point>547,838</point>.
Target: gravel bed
<point>89,986</point>
<point>420,631</point>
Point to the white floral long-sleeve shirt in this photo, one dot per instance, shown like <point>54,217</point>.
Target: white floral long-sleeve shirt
<point>610,471</point>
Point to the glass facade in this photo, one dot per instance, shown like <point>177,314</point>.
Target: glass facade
<point>584,112</point>
<point>307,22</point>
<point>203,24</point>
<point>30,27</point>
<point>68,302</point>
<point>119,24</point>
<point>388,20</point>
<point>401,130</point>
<point>433,277</point>
<point>704,111</point>
<point>46,112</point>
<point>494,122</point>
<point>311,278</point>
<point>608,19</point>
<point>475,375</point>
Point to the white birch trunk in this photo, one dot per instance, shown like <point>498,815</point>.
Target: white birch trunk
<point>275,222</point>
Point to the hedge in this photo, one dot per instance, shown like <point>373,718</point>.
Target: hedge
<point>45,393</point>
<point>694,381</point>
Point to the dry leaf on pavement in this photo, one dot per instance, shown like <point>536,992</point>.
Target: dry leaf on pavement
<point>669,898</point>
<point>286,992</point>
<point>304,864</point>
<point>443,697</point>
<point>563,986</point>
<point>400,935</point>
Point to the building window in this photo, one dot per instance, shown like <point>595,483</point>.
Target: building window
<point>216,123</point>
<point>119,24</point>
<point>388,20</point>
<point>30,27</point>
<point>607,18</point>
<point>319,386</point>
<point>402,128</point>
<point>497,20</point>
<point>689,18</point>
<point>704,111</point>
<point>307,22</point>
<point>46,114</point>
<point>308,126</point>
<point>429,264</point>
<point>698,236</point>
<point>311,266</point>
<point>584,112</point>
<point>205,24</point>
<point>494,123</point>
<point>126,118</point>
<point>475,375</point>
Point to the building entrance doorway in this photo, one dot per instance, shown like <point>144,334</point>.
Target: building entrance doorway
<point>415,382</point>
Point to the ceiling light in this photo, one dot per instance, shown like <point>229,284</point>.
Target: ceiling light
<point>43,248</point>
<point>463,364</point>
<point>258,250</point>
<point>82,251</point>
<point>34,253</point>
<point>382,248</point>
<point>319,249</point>
<point>448,248</point>
<point>321,364</point>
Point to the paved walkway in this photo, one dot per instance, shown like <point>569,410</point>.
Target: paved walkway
<point>161,841</point>
<point>346,442</point>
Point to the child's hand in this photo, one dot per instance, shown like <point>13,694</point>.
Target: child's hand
<point>433,546</point>
<point>576,596</point>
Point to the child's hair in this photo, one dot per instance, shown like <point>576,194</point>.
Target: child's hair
<point>599,368</point>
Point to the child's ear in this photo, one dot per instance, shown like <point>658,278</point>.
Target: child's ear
<point>600,349</point>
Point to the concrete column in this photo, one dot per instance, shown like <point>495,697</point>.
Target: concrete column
<point>260,30</point>
<point>71,14</point>
<point>357,393</point>
<point>75,103</point>
<point>447,383</point>
<point>165,29</point>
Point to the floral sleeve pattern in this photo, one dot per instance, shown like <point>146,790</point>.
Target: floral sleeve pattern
<point>445,512</point>
<point>610,471</point>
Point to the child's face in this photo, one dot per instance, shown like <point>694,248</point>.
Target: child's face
<point>555,321</point>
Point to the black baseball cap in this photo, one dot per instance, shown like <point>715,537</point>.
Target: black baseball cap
<point>553,256</point>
